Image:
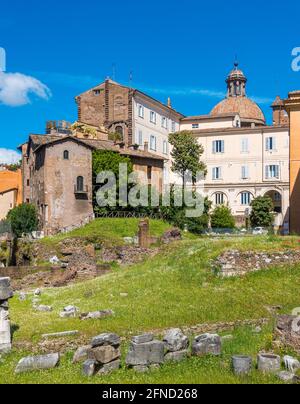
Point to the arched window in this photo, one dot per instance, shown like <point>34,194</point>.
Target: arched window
<point>80,184</point>
<point>66,155</point>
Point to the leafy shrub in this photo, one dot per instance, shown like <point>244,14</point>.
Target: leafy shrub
<point>222,218</point>
<point>23,219</point>
<point>262,212</point>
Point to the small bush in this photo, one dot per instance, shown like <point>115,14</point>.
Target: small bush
<point>222,218</point>
<point>23,219</point>
<point>262,212</point>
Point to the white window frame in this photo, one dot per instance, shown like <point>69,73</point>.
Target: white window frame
<point>195,125</point>
<point>218,146</point>
<point>273,172</point>
<point>165,147</point>
<point>271,143</point>
<point>164,122</point>
<point>153,117</point>
<point>140,138</point>
<point>245,173</point>
<point>173,127</point>
<point>141,111</point>
<point>246,198</point>
<point>153,143</point>
<point>219,198</point>
<point>217,173</point>
<point>245,145</point>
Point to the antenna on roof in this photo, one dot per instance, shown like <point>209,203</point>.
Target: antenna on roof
<point>131,78</point>
<point>236,61</point>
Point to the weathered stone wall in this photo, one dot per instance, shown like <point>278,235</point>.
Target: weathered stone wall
<point>108,105</point>
<point>65,208</point>
<point>238,263</point>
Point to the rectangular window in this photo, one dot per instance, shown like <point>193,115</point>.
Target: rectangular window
<point>218,146</point>
<point>219,199</point>
<point>272,172</point>
<point>149,173</point>
<point>153,143</point>
<point>245,172</point>
<point>195,125</point>
<point>152,117</point>
<point>270,144</point>
<point>164,122</point>
<point>217,173</point>
<point>173,127</point>
<point>246,198</point>
<point>141,111</point>
<point>245,145</point>
<point>165,147</point>
<point>140,140</point>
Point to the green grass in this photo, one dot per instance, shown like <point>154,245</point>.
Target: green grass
<point>208,370</point>
<point>109,231</point>
<point>175,288</point>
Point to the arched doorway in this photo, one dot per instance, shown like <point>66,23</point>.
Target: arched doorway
<point>276,199</point>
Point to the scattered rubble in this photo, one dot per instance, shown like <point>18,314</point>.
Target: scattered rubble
<point>207,344</point>
<point>96,315</point>
<point>103,356</point>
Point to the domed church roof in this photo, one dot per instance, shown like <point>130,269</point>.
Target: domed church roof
<point>237,101</point>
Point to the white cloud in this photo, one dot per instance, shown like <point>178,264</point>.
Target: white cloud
<point>15,89</point>
<point>9,156</point>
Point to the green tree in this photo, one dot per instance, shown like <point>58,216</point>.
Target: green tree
<point>186,154</point>
<point>262,212</point>
<point>23,219</point>
<point>105,160</point>
<point>222,218</point>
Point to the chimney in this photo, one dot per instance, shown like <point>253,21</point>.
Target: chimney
<point>169,103</point>
<point>146,147</point>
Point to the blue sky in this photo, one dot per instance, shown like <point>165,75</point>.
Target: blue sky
<point>182,49</point>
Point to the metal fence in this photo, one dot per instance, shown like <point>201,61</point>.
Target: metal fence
<point>128,215</point>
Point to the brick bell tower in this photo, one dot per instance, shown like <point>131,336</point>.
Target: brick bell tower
<point>292,106</point>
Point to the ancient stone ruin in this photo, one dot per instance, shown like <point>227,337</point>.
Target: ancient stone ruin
<point>145,352</point>
<point>6,293</point>
<point>103,356</point>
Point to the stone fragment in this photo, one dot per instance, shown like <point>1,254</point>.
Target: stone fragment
<point>176,356</point>
<point>175,340</point>
<point>141,369</point>
<point>241,364</point>
<point>97,315</point>
<point>104,354</point>
<point>207,344</point>
<point>142,339</point>
<point>81,355</point>
<point>109,367</point>
<point>22,296</point>
<point>269,363</point>
<point>61,334</point>
<point>37,292</point>
<point>6,291</point>
<point>69,312</point>
<point>45,309</point>
<point>89,368</point>
<point>145,354</point>
<point>288,377</point>
<point>106,339</point>
<point>291,364</point>
<point>32,363</point>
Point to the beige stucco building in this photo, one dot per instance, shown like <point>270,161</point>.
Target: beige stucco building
<point>245,157</point>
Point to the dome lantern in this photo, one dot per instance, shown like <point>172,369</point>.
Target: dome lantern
<point>236,82</point>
